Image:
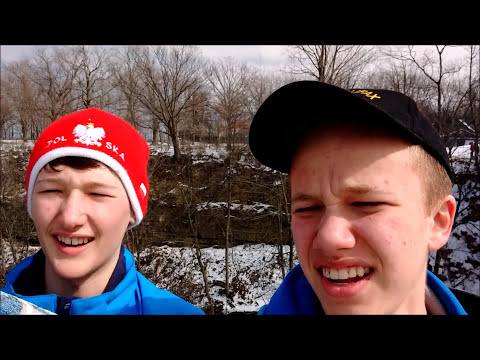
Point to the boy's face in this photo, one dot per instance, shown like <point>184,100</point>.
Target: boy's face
<point>358,209</point>
<point>89,207</point>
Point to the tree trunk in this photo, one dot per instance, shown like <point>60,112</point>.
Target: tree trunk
<point>287,212</point>
<point>2,254</point>
<point>281,260</point>
<point>227,233</point>
<point>138,252</point>
<point>436,266</point>
<point>203,269</point>
<point>175,142</point>
<point>198,254</point>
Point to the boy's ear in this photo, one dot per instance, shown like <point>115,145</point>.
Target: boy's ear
<point>132,217</point>
<point>442,223</point>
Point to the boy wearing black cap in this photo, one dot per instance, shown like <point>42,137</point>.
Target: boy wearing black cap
<point>371,196</point>
<point>87,183</point>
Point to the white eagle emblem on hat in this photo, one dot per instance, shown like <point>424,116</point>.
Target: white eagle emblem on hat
<point>89,135</point>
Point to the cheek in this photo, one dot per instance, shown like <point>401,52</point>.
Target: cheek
<point>382,233</point>
<point>395,234</point>
<point>42,212</point>
<point>114,215</point>
<point>303,232</point>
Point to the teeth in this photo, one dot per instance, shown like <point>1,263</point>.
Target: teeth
<point>342,274</point>
<point>360,271</point>
<point>73,241</point>
<point>333,274</point>
<point>65,240</point>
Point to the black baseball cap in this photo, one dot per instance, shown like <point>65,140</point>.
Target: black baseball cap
<point>290,112</point>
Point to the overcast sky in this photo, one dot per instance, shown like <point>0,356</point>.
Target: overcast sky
<point>270,56</point>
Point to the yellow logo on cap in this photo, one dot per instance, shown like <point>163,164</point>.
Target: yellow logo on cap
<point>367,93</point>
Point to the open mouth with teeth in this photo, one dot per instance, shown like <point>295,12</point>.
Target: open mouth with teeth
<point>346,275</point>
<point>73,242</point>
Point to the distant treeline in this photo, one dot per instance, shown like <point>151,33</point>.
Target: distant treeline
<point>173,92</point>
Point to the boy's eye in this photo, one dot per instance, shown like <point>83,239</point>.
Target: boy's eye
<point>50,191</point>
<point>308,208</point>
<point>97,194</point>
<point>367,203</point>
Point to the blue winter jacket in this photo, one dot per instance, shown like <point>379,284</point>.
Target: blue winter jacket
<point>128,293</point>
<point>295,296</point>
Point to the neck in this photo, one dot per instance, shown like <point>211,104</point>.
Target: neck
<point>414,303</point>
<point>92,284</point>
<point>433,304</point>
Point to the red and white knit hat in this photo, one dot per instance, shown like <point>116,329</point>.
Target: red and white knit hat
<point>99,135</point>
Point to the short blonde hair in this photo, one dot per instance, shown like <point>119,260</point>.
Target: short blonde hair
<point>434,177</point>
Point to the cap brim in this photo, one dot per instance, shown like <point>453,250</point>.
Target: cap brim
<point>287,115</point>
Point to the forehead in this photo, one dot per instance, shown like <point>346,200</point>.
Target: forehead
<point>351,136</point>
<point>99,174</point>
<point>352,159</point>
<point>352,128</point>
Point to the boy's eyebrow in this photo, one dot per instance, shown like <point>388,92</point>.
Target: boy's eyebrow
<point>102,185</point>
<point>302,197</point>
<point>88,184</point>
<point>360,189</point>
<point>47,180</point>
<point>366,189</point>
<point>355,190</point>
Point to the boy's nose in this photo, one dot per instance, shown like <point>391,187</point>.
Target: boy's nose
<point>72,212</point>
<point>334,233</point>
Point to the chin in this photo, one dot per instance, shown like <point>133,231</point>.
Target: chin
<point>347,309</point>
<point>71,271</point>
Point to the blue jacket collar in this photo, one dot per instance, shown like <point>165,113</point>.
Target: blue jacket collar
<point>27,279</point>
<point>133,295</point>
<point>295,296</point>
<point>31,281</point>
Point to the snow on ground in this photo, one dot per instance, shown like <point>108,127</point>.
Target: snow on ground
<point>255,207</point>
<point>461,152</point>
<point>253,272</point>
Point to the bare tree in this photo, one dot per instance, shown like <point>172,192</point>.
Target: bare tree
<point>432,66</point>
<point>401,76</point>
<point>170,76</point>
<point>473,95</point>
<point>339,65</point>
<point>260,86</point>
<point>195,125</point>
<point>190,201</point>
<point>54,74</point>
<point>6,114</point>
<point>285,195</point>
<point>2,194</point>
<point>228,81</point>
<point>126,78</point>
<point>92,78</point>
<point>20,93</point>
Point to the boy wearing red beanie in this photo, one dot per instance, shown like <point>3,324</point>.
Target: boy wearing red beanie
<point>87,184</point>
